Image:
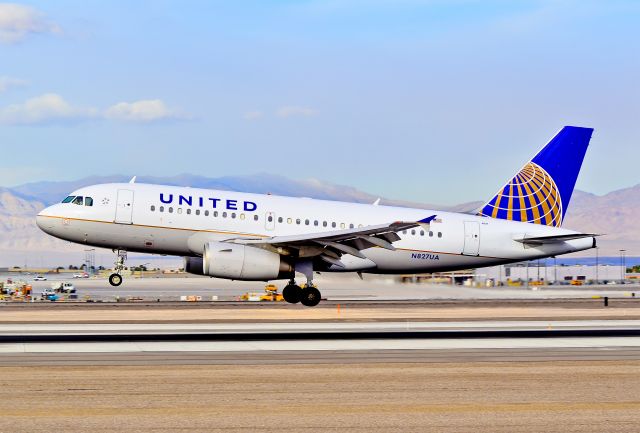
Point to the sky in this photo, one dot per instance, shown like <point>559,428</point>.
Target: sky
<point>430,101</point>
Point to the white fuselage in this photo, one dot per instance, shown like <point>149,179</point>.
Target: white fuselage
<point>180,221</point>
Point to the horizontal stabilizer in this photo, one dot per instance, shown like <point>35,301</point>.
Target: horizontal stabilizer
<point>554,239</point>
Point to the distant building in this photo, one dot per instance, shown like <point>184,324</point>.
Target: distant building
<point>533,272</point>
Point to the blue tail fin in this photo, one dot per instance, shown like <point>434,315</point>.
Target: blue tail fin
<point>540,192</point>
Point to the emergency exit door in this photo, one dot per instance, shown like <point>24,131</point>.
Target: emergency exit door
<point>124,207</point>
<point>270,221</point>
<point>471,238</point>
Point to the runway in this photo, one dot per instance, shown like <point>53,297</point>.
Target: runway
<point>433,367</point>
<point>284,342</point>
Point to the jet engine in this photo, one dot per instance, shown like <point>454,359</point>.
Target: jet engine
<point>238,262</point>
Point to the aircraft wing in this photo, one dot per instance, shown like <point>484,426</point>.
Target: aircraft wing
<point>554,239</point>
<point>331,245</point>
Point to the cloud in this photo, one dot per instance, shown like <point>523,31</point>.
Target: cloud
<point>52,108</point>
<point>47,108</point>
<point>291,111</point>
<point>253,115</point>
<point>7,82</point>
<point>150,110</point>
<point>18,21</point>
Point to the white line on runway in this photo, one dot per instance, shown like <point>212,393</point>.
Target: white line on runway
<point>322,345</point>
<point>162,328</point>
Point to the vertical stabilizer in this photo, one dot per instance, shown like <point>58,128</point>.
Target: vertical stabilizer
<point>540,192</point>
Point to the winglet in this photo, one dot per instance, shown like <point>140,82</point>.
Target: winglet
<point>427,220</point>
<point>133,179</point>
<point>377,202</point>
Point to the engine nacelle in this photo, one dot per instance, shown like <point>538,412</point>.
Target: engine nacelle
<point>242,262</point>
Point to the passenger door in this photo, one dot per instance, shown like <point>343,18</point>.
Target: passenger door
<point>124,207</point>
<point>471,238</point>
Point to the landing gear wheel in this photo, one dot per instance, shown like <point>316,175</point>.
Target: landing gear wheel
<point>291,293</point>
<point>115,280</point>
<point>310,296</point>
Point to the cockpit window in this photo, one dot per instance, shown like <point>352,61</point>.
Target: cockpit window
<point>88,201</point>
<point>78,200</point>
<point>68,199</point>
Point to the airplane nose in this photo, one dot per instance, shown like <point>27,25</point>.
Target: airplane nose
<point>43,221</point>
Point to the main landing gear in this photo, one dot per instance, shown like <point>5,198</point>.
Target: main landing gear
<point>115,279</point>
<point>309,295</point>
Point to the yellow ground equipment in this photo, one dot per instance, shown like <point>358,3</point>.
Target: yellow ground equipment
<point>270,295</point>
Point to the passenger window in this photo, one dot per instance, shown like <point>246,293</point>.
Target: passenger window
<point>324,223</point>
<point>153,208</point>
<point>298,221</point>
<point>342,225</point>
<point>188,211</point>
<point>88,201</point>
<point>315,223</point>
<point>306,222</point>
<point>270,218</point>
<point>206,213</point>
<point>404,232</point>
<point>224,214</point>
<point>351,226</point>
<point>255,217</point>
<point>242,216</point>
<point>413,232</point>
<point>170,210</point>
<point>197,211</point>
<point>431,234</point>
<point>69,199</point>
<point>233,215</point>
<point>78,200</point>
<point>333,224</point>
<point>179,210</point>
<point>421,232</point>
<point>161,208</point>
<point>289,220</point>
<point>439,234</point>
<point>280,220</point>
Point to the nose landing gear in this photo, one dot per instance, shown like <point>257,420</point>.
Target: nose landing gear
<point>115,279</point>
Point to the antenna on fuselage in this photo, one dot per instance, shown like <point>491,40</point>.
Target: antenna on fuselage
<point>133,179</point>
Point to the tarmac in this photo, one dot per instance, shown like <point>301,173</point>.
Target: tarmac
<point>370,364</point>
<point>337,288</point>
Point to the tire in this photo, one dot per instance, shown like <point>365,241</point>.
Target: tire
<point>291,293</point>
<point>115,280</point>
<point>310,297</point>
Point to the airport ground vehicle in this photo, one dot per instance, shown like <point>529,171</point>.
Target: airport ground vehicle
<point>49,295</point>
<point>63,287</point>
<point>39,278</point>
<point>271,294</point>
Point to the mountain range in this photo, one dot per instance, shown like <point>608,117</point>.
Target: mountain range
<point>614,214</point>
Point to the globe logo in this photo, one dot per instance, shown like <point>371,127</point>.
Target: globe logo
<point>531,196</point>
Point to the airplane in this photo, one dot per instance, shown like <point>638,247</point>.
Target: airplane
<point>263,237</point>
